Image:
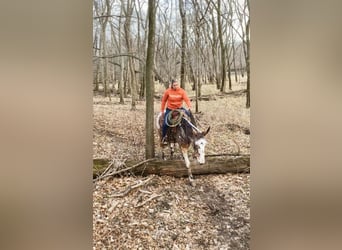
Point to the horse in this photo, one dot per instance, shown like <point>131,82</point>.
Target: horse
<point>182,130</point>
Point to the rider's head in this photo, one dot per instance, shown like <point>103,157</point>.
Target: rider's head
<point>174,84</point>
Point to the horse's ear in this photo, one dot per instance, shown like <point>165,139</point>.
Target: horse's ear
<point>206,132</point>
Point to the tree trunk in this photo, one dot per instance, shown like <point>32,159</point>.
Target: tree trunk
<point>234,57</point>
<point>122,62</point>
<point>149,147</point>
<point>248,99</point>
<point>104,60</point>
<point>141,44</point>
<point>176,168</point>
<point>96,72</point>
<point>192,76</point>
<point>229,63</point>
<point>131,66</point>
<point>184,42</point>
<point>126,79</point>
<point>104,51</point>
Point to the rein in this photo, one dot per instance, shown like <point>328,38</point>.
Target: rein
<point>192,125</point>
<point>175,122</point>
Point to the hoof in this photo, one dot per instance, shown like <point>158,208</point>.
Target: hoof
<point>192,182</point>
<point>163,156</point>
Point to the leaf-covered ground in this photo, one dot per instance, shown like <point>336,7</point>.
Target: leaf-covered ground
<point>162,212</point>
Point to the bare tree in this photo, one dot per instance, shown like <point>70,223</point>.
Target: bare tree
<point>222,46</point>
<point>248,100</point>
<point>184,42</point>
<point>141,41</point>
<point>242,11</point>
<point>167,45</point>
<point>100,11</point>
<point>96,51</point>
<point>128,11</point>
<point>104,21</point>
<point>149,148</point>
<point>213,38</point>
<point>199,42</point>
<point>122,62</point>
<point>234,56</point>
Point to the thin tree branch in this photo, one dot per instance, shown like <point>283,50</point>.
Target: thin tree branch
<point>153,196</point>
<point>119,55</point>
<point>131,187</point>
<point>126,169</point>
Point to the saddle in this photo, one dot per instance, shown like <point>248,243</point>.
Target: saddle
<point>174,122</point>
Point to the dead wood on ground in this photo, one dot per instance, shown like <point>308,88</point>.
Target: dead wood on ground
<point>176,168</point>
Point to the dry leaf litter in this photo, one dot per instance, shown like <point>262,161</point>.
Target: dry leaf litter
<point>164,212</point>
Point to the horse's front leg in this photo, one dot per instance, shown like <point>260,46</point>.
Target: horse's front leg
<point>187,164</point>
<point>162,148</point>
<point>172,148</point>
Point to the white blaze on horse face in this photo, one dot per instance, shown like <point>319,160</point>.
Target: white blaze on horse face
<point>201,147</point>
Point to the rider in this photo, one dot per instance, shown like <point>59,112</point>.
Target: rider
<point>174,96</point>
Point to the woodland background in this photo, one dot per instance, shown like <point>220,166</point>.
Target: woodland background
<point>137,44</point>
<point>201,42</point>
<point>138,47</point>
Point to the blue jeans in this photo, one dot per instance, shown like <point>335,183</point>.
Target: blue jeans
<point>167,111</point>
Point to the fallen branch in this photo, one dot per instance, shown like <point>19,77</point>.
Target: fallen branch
<point>144,191</point>
<point>122,170</point>
<point>153,196</point>
<point>106,170</point>
<point>236,92</point>
<point>213,97</point>
<point>131,187</point>
<point>226,154</point>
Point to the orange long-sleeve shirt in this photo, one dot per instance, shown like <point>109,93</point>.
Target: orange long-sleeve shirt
<point>174,99</point>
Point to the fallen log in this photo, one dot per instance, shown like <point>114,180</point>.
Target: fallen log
<point>213,97</point>
<point>176,168</point>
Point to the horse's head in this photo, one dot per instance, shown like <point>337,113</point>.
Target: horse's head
<point>199,146</point>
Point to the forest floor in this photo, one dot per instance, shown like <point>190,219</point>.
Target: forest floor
<point>164,212</point>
